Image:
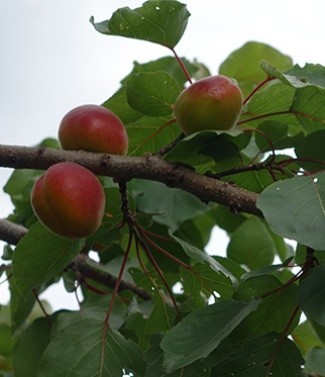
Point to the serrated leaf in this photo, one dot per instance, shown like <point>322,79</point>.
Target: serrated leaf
<point>311,294</point>
<point>152,93</point>
<point>162,22</point>
<point>291,80</point>
<point>80,349</point>
<point>311,73</point>
<point>244,64</point>
<point>29,348</point>
<point>261,357</point>
<point>294,208</point>
<point>251,244</point>
<point>40,255</point>
<point>198,334</point>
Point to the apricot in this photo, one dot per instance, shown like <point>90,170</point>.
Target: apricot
<point>93,128</point>
<point>69,200</point>
<point>212,103</point>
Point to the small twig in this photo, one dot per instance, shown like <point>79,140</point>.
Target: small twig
<point>164,150</point>
<point>258,87</point>
<point>46,315</point>
<point>89,270</point>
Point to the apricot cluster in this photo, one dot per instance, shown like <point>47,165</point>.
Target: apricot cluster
<point>69,199</point>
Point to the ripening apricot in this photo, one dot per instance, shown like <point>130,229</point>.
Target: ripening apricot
<point>93,128</point>
<point>69,200</point>
<point>213,103</point>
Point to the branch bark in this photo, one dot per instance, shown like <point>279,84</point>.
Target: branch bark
<point>125,168</point>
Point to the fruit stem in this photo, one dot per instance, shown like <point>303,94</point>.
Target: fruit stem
<point>163,251</point>
<point>164,150</point>
<point>159,271</point>
<point>48,318</point>
<point>117,284</point>
<point>183,67</point>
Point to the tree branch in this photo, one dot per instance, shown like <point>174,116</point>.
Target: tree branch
<point>88,269</point>
<point>11,232</point>
<point>124,168</point>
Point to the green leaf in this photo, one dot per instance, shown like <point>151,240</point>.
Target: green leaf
<point>315,361</point>
<point>270,269</point>
<point>19,187</point>
<point>6,343</point>
<point>275,135</point>
<point>30,347</point>
<point>198,334</point>
<point>169,65</point>
<point>273,102</point>
<point>119,105</point>
<point>96,308</point>
<point>40,255</point>
<point>306,337</point>
<point>294,208</point>
<point>260,357</point>
<point>152,93</point>
<point>202,257</point>
<point>282,304</point>
<point>162,22</point>
<point>251,244</point>
<point>158,320</point>
<point>306,107</point>
<point>82,352</point>
<point>244,64</point>
<point>160,201</point>
<point>202,278</point>
<point>154,359</point>
<point>298,77</point>
<point>188,151</point>
<point>149,134</point>
<point>20,306</point>
<point>209,150</point>
<point>311,294</point>
<point>310,150</point>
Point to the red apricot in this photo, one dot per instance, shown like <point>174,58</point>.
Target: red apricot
<point>213,103</point>
<point>93,128</point>
<point>69,200</point>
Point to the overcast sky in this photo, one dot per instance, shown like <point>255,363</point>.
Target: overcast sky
<point>53,60</point>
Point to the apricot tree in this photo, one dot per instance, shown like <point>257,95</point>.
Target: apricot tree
<point>151,301</point>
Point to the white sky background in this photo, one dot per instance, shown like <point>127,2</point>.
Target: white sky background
<point>52,59</point>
